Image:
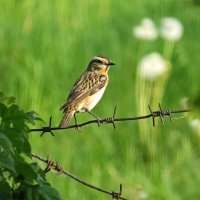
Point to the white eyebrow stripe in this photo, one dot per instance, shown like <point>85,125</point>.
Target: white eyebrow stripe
<point>100,58</point>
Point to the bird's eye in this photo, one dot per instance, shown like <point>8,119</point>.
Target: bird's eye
<point>99,61</point>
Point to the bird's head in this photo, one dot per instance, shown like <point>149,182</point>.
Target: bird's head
<point>100,64</point>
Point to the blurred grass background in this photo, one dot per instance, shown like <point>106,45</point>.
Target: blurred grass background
<point>45,46</point>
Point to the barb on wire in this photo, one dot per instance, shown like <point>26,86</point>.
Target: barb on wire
<point>161,113</point>
<point>51,165</point>
<point>112,119</point>
<point>47,128</point>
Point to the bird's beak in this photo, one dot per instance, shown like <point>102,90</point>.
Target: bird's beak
<point>111,63</point>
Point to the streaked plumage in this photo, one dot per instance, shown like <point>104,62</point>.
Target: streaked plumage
<point>88,89</point>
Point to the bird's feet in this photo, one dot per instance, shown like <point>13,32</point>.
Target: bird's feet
<point>98,121</point>
<point>77,127</point>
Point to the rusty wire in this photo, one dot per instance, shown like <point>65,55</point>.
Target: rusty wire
<point>51,165</point>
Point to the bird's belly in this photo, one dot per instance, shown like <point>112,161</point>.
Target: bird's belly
<point>91,101</point>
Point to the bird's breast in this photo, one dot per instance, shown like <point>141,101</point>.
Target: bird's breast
<point>91,101</point>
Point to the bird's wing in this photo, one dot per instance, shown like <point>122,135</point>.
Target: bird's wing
<point>88,84</point>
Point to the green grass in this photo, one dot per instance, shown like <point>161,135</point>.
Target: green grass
<point>45,46</point>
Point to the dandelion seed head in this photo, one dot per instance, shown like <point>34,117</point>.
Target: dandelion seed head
<point>171,29</point>
<point>195,125</point>
<point>152,66</point>
<point>146,30</point>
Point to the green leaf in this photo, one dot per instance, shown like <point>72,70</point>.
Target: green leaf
<point>19,140</point>
<point>5,143</point>
<point>16,137</point>
<point>47,192</point>
<point>5,190</point>
<point>7,100</point>
<point>26,180</point>
<point>7,161</point>
<point>32,193</point>
<point>3,110</point>
<point>10,100</point>
<point>14,113</point>
<point>32,117</point>
<point>26,171</point>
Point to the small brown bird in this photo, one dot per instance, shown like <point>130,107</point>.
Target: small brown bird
<point>87,90</point>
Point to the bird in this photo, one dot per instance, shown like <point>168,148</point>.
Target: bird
<point>87,90</point>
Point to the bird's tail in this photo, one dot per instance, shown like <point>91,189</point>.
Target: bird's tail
<point>66,119</point>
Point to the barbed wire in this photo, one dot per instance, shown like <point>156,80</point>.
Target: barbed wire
<point>55,166</point>
<point>161,113</point>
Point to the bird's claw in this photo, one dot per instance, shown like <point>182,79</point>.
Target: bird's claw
<point>99,122</point>
<point>77,127</point>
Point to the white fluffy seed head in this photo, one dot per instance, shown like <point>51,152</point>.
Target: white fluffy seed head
<point>195,125</point>
<point>146,30</point>
<point>171,29</point>
<point>152,66</point>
